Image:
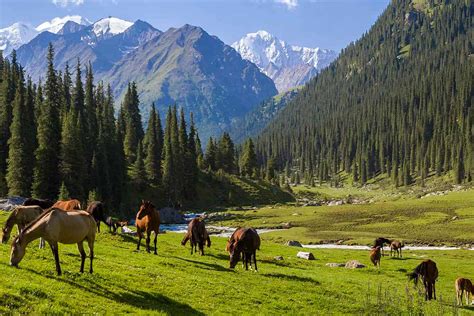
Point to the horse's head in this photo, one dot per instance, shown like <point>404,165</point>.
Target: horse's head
<point>5,234</point>
<point>18,251</point>
<point>146,208</point>
<point>234,258</point>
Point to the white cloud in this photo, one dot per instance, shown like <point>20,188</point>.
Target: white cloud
<point>66,3</point>
<point>290,4</point>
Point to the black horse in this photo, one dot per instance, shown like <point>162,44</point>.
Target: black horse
<point>44,204</point>
<point>97,210</point>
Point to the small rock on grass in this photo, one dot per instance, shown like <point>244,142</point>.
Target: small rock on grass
<point>279,258</point>
<point>305,255</point>
<point>293,243</point>
<point>354,264</point>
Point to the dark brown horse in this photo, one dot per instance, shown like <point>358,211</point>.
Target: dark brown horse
<point>380,242</point>
<point>97,210</point>
<point>197,235</point>
<point>44,204</point>
<point>244,242</point>
<point>147,220</point>
<point>396,247</point>
<point>69,205</point>
<point>375,256</point>
<point>428,272</point>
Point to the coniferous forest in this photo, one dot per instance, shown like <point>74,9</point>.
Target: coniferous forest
<point>397,103</point>
<point>60,139</point>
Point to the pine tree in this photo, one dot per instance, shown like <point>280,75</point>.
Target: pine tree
<point>138,173</point>
<point>46,175</point>
<point>153,150</point>
<point>130,122</point>
<point>248,161</point>
<point>191,172</point>
<point>63,193</point>
<point>73,166</point>
<point>18,147</point>
<point>210,155</point>
<point>225,154</point>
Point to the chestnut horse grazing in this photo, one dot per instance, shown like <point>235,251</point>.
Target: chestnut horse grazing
<point>44,204</point>
<point>147,220</point>
<point>245,242</point>
<point>97,210</point>
<point>396,247</point>
<point>20,216</point>
<point>375,256</point>
<point>197,234</point>
<point>68,205</point>
<point>465,286</point>
<point>57,226</point>
<point>428,272</point>
<point>380,242</point>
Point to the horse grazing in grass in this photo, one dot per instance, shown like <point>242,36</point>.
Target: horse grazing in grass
<point>463,286</point>
<point>197,235</point>
<point>69,205</point>
<point>147,221</point>
<point>428,272</point>
<point>97,210</point>
<point>380,242</point>
<point>396,247</point>
<point>375,256</point>
<point>245,242</point>
<point>44,204</point>
<point>57,226</point>
<point>20,216</point>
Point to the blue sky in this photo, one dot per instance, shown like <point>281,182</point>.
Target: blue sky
<point>325,23</point>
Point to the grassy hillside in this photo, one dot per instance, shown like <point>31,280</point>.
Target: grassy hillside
<point>175,282</point>
<point>444,219</point>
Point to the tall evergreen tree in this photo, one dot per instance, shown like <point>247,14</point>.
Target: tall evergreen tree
<point>46,175</point>
<point>248,160</point>
<point>153,149</point>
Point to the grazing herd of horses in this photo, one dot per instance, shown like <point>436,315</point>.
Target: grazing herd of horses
<point>427,271</point>
<point>66,222</point>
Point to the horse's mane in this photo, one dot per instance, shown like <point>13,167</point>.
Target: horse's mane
<point>12,215</point>
<point>27,227</point>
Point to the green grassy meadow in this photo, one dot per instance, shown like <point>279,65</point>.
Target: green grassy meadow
<point>442,220</point>
<point>178,283</point>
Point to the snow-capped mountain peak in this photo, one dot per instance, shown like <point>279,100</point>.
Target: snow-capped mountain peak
<point>14,36</point>
<point>110,26</point>
<point>56,24</point>
<point>288,65</point>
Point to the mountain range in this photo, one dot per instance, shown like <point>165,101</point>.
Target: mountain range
<point>288,65</point>
<point>186,66</point>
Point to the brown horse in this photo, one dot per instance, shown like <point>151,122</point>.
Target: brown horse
<point>375,256</point>
<point>396,247</point>
<point>428,272</point>
<point>44,204</point>
<point>197,234</point>
<point>147,220</point>
<point>245,242</point>
<point>20,216</point>
<point>97,210</point>
<point>463,286</point>
<point>380,242</point>
<point>68,205</point>
<point>57,226</point>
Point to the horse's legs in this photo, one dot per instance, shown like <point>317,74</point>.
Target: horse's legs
<point>247,261</point>
<point>255,259</point>
<point>80,246</point>
<point>139,233</point>
<point>148,233</point>
<point>156,236</point>
<point>41,244</point>
<point>434,290</point>
<point>98,226</point>
<point>201,247</point>
<point>90,242</point>
<point>54,249</point>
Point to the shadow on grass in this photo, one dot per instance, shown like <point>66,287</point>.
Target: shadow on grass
<point>292,278</point>
<point>205,265</point>
<point>219,256</point>
<point>132,297</point>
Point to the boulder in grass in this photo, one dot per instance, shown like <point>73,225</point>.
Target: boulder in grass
<point>305,255</point>
<point>279,258</point>
<point>293,243</point>
<point>354,264</point>
<point>335,265</point>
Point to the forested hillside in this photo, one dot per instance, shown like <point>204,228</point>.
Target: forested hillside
<point>60,139</point>
<point>398,102</point>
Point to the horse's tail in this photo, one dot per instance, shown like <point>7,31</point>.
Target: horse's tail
<point>208,239</point>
